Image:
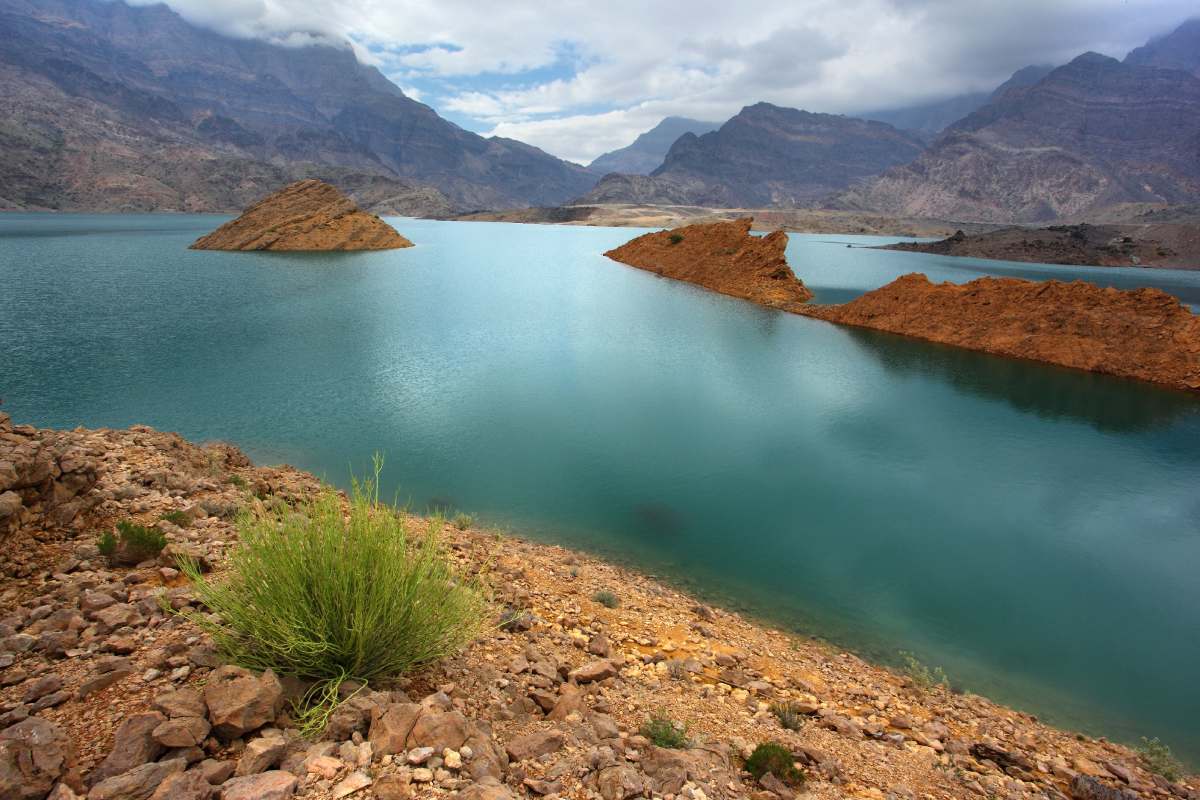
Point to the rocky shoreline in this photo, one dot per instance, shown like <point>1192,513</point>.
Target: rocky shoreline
<point>1166,246</point>
<point>107,695</point>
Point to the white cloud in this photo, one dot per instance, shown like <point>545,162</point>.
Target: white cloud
<point>630,63</point>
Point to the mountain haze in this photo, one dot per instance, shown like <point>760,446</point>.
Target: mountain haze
<point>766,156</point>
<point>1093,133</point>
<point>649,149</point>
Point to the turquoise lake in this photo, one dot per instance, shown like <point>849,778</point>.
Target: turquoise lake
<point>1033,530</point>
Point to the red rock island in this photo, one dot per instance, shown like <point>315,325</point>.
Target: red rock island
<point>306,215</point>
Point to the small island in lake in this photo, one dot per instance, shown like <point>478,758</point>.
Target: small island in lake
<point>1167,246</point>
<point>722,256</point>
<point>1145,334</point>
<point>306,215</point>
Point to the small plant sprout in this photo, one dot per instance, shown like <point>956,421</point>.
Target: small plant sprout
<point>774,758</point>
<point>921,675</point>
<point>789,716</point>
<point>1158,759</point>
<point>606,598</point>
<point>665,733</point>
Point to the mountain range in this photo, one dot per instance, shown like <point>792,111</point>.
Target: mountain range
<point>765,156</point>
<point>930,119</point>
<point>111,107</point>
<point>114,107</point>
<point>1092,134</point>
<point>650,148</point>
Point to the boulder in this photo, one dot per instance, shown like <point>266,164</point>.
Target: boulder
<point>34,754</point>
<point>391,726</point>
<point>535,745</point>
<point>486,789</point>
<point>273,785</point>
<point>260,755</point>
<point>440,730</point>
<point>619,782</point>
<point>190,785</point>
<point>182,732</point>
<point>240,702</point>
<point>138,783</point>
<point>181,703</point>
<point>594,671</point>
<point>133,745</point>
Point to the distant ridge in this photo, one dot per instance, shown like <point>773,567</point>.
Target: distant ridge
<point>1090,134</point>
<point>766,155</point>
<point>649,149</point>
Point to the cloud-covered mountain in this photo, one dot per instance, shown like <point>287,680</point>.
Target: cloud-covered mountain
<point>109,106</point>
<point>930,119</point>
<point>766,156</point>
<point>649,149</point>
<point>1090,134</point>
<point>1179,49</point>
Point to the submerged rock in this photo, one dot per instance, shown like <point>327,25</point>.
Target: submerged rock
<point>306,215</point>
<point>722,256</point>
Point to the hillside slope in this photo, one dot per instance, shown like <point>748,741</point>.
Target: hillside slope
<point>158,113</point>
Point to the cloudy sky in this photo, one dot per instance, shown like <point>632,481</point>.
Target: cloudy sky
<point>580,77</point>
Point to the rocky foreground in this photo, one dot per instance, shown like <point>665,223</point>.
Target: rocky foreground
<point>104,694</point>
<point>305,215</point>
<point>724,257</point>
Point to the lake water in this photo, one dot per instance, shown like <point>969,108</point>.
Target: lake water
<point>1033,530</point>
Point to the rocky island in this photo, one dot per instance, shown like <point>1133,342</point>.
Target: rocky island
<point>1143,333</point>
<point>579,686</point>
<point>306,215</point>
<point>724,257</point>
<point>1139,333</point>
<point>1161,245</point>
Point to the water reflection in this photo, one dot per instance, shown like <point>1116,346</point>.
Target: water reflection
<point>1050,392</point>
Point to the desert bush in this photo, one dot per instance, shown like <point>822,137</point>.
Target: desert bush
<point>237,480</point>
<point>177,517</point>
<point>132,543</point>
<point>463,521</point>
<point>328,593</point>
<point>606,598</point>
<point>675,238</point>
<point>787,714</point>
<point>776,759</point>
<point>1158,759</point>
<point>921,675</point>
<point>665,733</point>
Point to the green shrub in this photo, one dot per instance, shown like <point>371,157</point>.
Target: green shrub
<point>463,521</point>
<point>132,544</point>
<point>1158,759</point>
<point>787,714</point>
<point>665,733</point>
<point>776,759</point>
<point>326,597</point>
<point>606,598</point>
<point>922,675</point>
<point>238,481</point>
<point>675,238</point>
<point>177,517</point>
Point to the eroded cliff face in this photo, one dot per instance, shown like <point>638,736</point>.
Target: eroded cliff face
<point>306,215</point>
<point>724,257</point>
<point>1141,333</point>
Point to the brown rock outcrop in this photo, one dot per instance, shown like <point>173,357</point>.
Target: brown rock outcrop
<point>722,256</point>
<point>306,215</point>
<point>1141,333</point>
